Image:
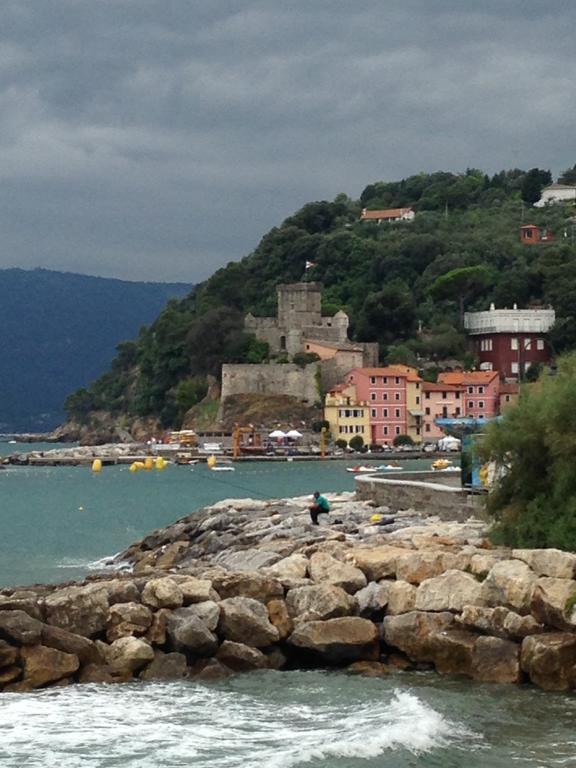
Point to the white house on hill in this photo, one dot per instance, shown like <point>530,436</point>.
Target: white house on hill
<point>557,193</point>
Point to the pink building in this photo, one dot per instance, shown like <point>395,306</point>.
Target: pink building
<point>440,401</point>
<point>480,391</point>
<point>393,397</point>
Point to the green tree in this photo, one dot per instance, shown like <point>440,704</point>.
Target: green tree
<point>356,443</point>
<point>532,185</point>
<point>402,440</point>
<point>461,285</point>
<point>533,501</point>
<point>569,176</point>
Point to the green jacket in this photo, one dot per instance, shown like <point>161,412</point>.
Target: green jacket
<point>323,503</point>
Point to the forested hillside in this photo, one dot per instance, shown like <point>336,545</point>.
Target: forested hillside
<point>60,331</point>
<point>403,285</point>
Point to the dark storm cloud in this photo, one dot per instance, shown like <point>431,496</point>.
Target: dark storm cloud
<point>158,139</point>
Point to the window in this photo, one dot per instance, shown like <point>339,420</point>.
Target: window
<point>470,404</point>
<point>397,379</point>
<point>427,411</point>
<point>384,395</point>
<point>514,367</point>
<point>372,379</point>
<point>373,412</point>
<point>417,401</point>
<point>470,390</point>
<point>457,395</point>
<point>486,345</point>
<point>540,344</point>
<point>514,343</point>
<point>397,430</point>
<point>427,428</point>
<point>397,413</point>
<point>417,385</point>
<point>359,429</point>
<point>384,413</point>
<point>480,403</point>
<point>528,344</point>
<point>457,412</point>
<point>384,379</point>
<point>480,390</point>
<point>427,395</point>
<point>372,395</point>
<point>397,396</point>
<point>385,431</point>
<point>444,395</point>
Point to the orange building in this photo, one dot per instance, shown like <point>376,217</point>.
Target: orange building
<point>480,391</point>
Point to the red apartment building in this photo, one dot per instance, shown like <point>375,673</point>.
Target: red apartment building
<point>480,392</point>
<point>510,340</point>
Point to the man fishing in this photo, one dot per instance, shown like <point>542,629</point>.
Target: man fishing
<point>319,506</point>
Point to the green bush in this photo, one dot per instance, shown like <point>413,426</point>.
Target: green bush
<point>340,443</point>
<point>305,358</point>
<point>533,501</point>
<point>402,440</point>
<point>356,443</point>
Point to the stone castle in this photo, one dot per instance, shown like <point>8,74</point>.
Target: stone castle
<point>299,327</point>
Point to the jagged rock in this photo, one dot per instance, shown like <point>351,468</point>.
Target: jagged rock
<point>496,661</point>
<point>162,593</point>
<point>280,618</point>
<point>256,586</point>
<point>171,555</point>
<point>121,591</point>
<point>481,563</point>
<point>452,650</point>
<point>166,666</point>
<point>517,627</point>
<point>498,621</point>
<point>208,612</point>
<point>241,658</point>
<point>292,567</point>
<point>245,620</point>
<point>208,670</point>
<point>368,669</point>
<point>377,562</point>
<point>19,627</point>
<point>197,590</point>
<point>9,674</point>
<point>416,567</point>
<point>319,602</point>
<point>372,600</point>
<point>96,673</point>
<point>401,597</point>
<point>550,660</point>
<point>249,560</point>
<point>22,601</point>
<point>68,642</point>
<point>129,654</point>
<point>449,592</point>
<point>80,610</point>
<point>127,619</point>
<point>188,632</point>
<point>338,641</point>
<point>325,569</point>
<point>156,635</point>
<point>8,654</point>
<point>509,584</point>
<point>44,665</point>
<point>554,602</point>
<point>411,632</point>
<point>548,562</point>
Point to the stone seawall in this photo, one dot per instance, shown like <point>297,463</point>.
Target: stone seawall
<point>443,497</point>
<point>245,585</point>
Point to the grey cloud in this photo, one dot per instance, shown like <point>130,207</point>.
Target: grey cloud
<point>160,139</point>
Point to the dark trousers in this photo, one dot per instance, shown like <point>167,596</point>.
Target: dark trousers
<point>316,510</point>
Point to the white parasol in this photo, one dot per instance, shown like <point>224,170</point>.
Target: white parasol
<point>277,434</point>
<point>294,434</point>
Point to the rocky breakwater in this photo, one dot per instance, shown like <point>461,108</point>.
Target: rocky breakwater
<point>244,585</point>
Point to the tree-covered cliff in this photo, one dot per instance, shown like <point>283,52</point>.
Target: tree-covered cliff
<point>403,285</point>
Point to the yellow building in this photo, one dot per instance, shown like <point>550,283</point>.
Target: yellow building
<point>346,416</point>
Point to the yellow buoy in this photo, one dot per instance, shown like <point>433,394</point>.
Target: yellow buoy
<point>97,465</point>
<point>149,462</point>
<point>134,466</point>
<point>160,462</point>
<point>211,462</point>
<point>375,518</point>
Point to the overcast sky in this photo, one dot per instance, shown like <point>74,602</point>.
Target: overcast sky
<point>160,139</point>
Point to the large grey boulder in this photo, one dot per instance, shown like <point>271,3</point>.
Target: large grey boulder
<point>44,665</point>
<point>319,603</point>
<point>553,602</point>
<point>509,584</point>
<point>81,610</point>
<point>68,642</point>
<point>495,660</point>
<point>412,632</point>
<point>127,619</point>
<point>162,593</point>
<point>245,620</point>
<point>240,657</point>
<point>325,569</point>
<point>166,666</point>
<point>401,597</point>
<point>449,592</point>
<point>548,562</point>
<point>372,600</point>
<point>129,654</point>
<point>28,602</point>
<point>19,627</point>
<point>337,641</point>
<point>292,567</point>
<point>188,633</point>
<point>378,562</point>
<point>257,586</point>
<point>550,660</point>
<point>197,590</point>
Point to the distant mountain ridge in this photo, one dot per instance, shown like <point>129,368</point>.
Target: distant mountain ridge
<point>59,331</point>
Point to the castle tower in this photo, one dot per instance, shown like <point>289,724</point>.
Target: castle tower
<point>299,305</point>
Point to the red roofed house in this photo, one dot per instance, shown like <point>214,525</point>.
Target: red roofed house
<point>480,391</point>
<point>530,234</point>
<point>391,215</point>
<point>440,401</point>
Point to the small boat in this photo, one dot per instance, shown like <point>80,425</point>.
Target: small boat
<point>389,467</point>
<point>441,464</point>
<point>362,469</point>
<point>222,468</point>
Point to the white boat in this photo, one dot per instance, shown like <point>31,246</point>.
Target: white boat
<point>222,468</point>
<point>362,469</point>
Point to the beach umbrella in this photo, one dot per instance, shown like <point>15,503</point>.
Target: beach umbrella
<point>277,434</point>
<point>294,434</point>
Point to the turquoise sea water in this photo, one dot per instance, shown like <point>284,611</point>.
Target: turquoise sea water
<point>55,522</point>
